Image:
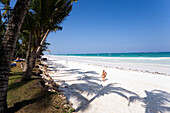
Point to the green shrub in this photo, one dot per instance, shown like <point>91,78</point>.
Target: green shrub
<point>72,110</point>
<point>56,106</point>
<point>67,107</point>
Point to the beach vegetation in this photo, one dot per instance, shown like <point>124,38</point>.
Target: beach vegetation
<point>67,107</point>
<point>56,106</point>
<point>30,96</point>
<point>72,110</point>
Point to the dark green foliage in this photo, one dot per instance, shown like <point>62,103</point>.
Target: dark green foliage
<point>56,106</point>
<point>72,110</point>
<point>5,2</point>
<point>67,107</point>
<point>52,16</point>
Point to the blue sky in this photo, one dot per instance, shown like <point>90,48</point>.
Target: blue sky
<point>99,26</point>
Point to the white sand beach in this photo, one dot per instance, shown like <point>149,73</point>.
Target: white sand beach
<point>126,90</point>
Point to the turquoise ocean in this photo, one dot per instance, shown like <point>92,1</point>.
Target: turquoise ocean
<point>142,54</point>
<point>149,58</point>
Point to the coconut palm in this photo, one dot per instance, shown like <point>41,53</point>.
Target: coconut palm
<point>7,48</point>
<point>48,15</point>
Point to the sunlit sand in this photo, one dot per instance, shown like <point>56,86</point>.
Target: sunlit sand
<point>124,91</point>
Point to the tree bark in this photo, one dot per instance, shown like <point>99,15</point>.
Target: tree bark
<point>42,41</point>
<point>40,45</point>
<point>28,73</point>
<point>7,48</point>
<point>28,54</point>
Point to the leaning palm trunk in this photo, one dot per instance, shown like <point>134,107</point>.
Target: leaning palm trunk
<point>7,49</point>
<point>29,63</point>
<point>40,45</point>
<point>28,73</point>
<point>42,41</point>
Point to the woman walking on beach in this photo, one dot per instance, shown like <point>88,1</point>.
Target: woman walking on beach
<point>104,75</point>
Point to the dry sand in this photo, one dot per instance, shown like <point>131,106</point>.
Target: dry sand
<point>124,91</point>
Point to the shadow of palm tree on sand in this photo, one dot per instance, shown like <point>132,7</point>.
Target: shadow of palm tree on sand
<point>154,102</point>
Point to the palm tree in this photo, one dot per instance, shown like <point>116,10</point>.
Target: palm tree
<point>48,15</point>
<point>7,48</point>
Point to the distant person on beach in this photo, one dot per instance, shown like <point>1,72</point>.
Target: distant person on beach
<point>17,58</point>
<point>104,75</point>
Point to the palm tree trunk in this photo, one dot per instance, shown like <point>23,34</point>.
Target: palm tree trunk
<point>28,73</point>
<point>40,45</point>
<point>42,41</point>
<point>7,48</point>
<point>28,54</point>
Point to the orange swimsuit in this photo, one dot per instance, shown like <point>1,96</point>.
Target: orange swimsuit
<point>104,75</point>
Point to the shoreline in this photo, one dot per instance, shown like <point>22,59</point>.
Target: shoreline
<point>128,66</point>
